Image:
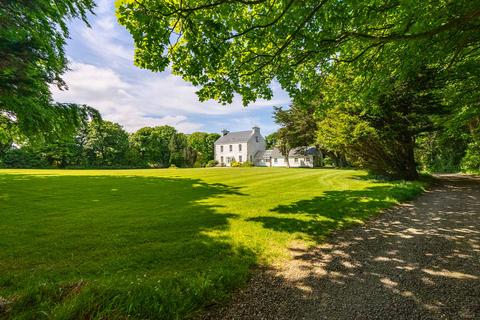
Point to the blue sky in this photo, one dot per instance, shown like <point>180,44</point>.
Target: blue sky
<point>103,75</point>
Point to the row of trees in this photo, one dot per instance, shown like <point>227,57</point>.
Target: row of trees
<point>103,143</point>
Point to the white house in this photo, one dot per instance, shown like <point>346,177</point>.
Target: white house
<point>304,157</point>
<point>239,146</point>
<point>250,146</point>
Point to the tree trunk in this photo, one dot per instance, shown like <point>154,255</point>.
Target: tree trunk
<point>320,156</point>
<point>340,161</point>
<point>408,167</point>
<point>410,172</point>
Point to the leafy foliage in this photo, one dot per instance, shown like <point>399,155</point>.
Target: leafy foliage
<point>441,151</point>
<point>160,147</point>
<point>32,37</point>
<point>212,163</point>
<point>228,46</point>
<point>471,161</point>
<point>203,144</point>
<point>235,164</point>
<point>371,49</point>
<point>381,135</point>
<point>247,164</point>
<point>23,158</point>
<point>271,140</point>
<point>106,143</point>
<point>298,127</point>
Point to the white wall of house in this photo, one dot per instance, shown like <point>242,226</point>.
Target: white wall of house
<point>255,144</point>
<point>301,162</point>
<point>278,162</point>
<point>227,153</point>
<point>240,151</point>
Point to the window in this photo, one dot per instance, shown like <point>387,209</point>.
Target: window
<point>221,149</point>
<point>240,147</point>
<point>251,158</point>
<point>239,158</point>
<point>295,160</point>
<point>221,159</point>
<point>231,148</point>
<point>256,139</point>
<point>275,160</point>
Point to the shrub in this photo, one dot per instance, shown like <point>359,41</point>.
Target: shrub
<point>247,164</point>
<point>23,158</point>
<point>212,163</point>
<point>235,164</point>
<point>328,162</point>
<point>471,161</point>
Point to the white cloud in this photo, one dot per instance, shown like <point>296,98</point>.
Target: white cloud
<point>172,93</point>
<point>108,80</point>
<point>101,40</point>
<point>150,100</point>
<point>104,6</point>
<point>116,99</point>
<point>89,77</point>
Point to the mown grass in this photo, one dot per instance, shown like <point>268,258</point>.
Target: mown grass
<point>161,244</point>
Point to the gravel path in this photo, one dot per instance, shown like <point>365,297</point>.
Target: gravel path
<point>417,261</point>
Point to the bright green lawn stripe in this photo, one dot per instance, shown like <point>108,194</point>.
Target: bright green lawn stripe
<point>160,244</point>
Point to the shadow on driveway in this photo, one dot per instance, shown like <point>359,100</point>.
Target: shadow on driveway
<point>416,261</point>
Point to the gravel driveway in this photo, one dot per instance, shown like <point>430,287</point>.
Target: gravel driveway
<point>417,261</point>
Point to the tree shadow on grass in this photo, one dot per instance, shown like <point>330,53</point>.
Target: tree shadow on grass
<point>318,216</point>
<point>418,261</point>
<point>113,246</point>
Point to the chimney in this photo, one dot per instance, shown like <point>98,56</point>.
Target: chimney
<point>225,132</point>
<point>256,130</point>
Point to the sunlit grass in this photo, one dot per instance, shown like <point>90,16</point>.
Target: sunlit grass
<point>162,243</point>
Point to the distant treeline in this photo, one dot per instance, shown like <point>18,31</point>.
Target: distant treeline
<point>107,144</point>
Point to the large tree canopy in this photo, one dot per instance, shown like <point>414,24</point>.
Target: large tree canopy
<point>241,46</point>
<point>32,37</point>
<point>381,135</point>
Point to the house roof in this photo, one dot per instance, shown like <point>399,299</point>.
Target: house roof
<point>235,137</point>
<point>296,152</point>
<point>302,151</point>
<point>272,153</point>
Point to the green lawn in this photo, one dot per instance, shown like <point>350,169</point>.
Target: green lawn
<point>162,243</point>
